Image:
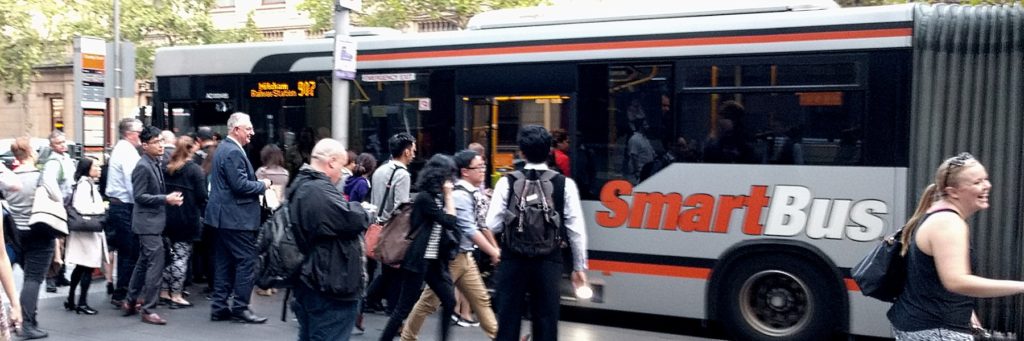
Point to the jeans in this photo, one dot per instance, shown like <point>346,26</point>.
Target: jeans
<point>539,277</point>
<point>36,256</point>
<point>467,278</point>
<point>119,217</point>
<point>322,318</point>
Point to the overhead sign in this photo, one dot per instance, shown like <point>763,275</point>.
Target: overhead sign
<point>275,89</point>
<point>344,58</point>
<point>388,77</point>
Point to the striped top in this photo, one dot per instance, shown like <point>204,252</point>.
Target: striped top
<point>433,244</point>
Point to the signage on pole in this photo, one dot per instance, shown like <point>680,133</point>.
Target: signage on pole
<point>90,92</point>
<point>344,58</point>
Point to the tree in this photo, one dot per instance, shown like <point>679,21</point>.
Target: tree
<point>20,45</point>
<point>398,13</point>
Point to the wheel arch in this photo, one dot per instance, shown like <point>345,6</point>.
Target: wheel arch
<point>736,253</point>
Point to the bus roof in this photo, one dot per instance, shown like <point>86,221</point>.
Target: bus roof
<point>735,34</point>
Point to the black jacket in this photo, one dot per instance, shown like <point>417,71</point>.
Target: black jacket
<point>425,212</point>
<point>329,231</point>
<point>185,222</point>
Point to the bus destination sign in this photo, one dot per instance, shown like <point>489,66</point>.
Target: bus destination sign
<point>273,89</point>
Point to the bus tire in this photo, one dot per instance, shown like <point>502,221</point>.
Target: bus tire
<point>779,297</point>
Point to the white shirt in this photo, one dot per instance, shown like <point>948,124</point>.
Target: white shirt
<point>232,139</point>
<point>573,215</point>
<point>119,173</point>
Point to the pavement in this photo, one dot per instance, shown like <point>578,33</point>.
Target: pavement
<point>194,323</point>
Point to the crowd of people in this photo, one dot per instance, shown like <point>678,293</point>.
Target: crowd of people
<point>183,210</point>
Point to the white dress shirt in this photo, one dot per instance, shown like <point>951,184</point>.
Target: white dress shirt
<point>572,215</point>
<point>119,173</point>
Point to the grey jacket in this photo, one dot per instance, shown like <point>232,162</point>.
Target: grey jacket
<point>149,216</point>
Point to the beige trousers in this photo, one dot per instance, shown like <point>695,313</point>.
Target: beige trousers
<point>466,278</point>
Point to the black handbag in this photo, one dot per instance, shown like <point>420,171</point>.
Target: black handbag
<point>85,222</point>
<point>883,272</point>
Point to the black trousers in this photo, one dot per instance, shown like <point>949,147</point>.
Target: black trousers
<point>36,255</point>
<point>119,220</point>
<point>439,280</point>
<point>385,287</point>
<point>538,277</point>
<point>235,270</point>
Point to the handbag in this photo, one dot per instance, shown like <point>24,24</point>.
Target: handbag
<point>85,222</point>
<point>48,210</point>
<point>883,272</point>
<point>395,237</point>
<point>373,232</point>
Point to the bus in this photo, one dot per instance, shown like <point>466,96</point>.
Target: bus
<point>734,161</point>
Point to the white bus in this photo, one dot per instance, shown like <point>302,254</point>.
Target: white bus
<point>735,162</point>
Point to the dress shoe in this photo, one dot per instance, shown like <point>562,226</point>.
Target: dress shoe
<point>178,305</point>
<point>220,317</point>
<point>29,332</point>
<point>153,318</point>
<point>116,303</point>
<point>130,309</point>
<point>85,309</point>
<point>246,316</point>
<point>69,306</point>
<point>50,287</point>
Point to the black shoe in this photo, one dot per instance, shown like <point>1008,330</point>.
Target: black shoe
<point>62,282</point>
<point>220,316</point>
<point>116,303</point>
<point>246,316</point>
<point>176,305</point>
<point>29,332</point>
<point>163,301</point>
<point>85,309</point>
<point>50,287</point>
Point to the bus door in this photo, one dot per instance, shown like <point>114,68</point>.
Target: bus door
<point>494,121</point>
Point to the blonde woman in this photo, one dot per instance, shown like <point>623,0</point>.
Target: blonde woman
<point>938,298</point>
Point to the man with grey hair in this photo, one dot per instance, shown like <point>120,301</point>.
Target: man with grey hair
<point>169,140</point>
<point>234,211</point>
<point>327,294</point>
<point>121,164</point>
<point>58,173</point>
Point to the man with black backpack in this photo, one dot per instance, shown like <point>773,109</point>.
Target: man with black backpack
<point>327,231</point>
<point>537,213</point>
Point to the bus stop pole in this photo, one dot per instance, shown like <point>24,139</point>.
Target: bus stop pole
<point>339,86</point>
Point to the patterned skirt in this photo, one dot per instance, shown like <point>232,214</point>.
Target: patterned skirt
<point>937,334</point>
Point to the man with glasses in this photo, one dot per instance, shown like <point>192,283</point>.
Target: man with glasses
<point>148,222</point>
<point>234,210</point>
<point>121,164</point>
<point>464,272</point>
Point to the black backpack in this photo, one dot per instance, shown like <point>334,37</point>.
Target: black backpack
<point>279,255</point>
<point>533,222</point>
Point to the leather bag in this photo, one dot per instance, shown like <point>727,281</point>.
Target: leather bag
<point>394,237</point>
<point>883,272</point>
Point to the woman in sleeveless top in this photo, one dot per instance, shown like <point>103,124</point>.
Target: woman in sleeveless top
<point>937,302</point>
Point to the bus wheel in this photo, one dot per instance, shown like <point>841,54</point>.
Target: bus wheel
<point>779,298</point>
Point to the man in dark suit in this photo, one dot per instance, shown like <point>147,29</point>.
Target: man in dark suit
<point>234,210</point>
<point>148,221</point>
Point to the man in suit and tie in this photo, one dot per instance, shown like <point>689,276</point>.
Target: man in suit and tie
<point>234,210</point>
<point>148,221</point>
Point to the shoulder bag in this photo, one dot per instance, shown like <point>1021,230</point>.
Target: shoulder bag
<point>883,272</point>
<point>85,222</point>
<point>48,210</point>
<point>372,237</point>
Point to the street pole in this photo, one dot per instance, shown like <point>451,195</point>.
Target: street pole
<point>116,107</point>
<point>339,86</point>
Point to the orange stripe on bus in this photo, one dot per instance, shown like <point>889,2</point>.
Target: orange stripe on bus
<point>608,267</point>
<point>650,269</point>
<point>751,39</point>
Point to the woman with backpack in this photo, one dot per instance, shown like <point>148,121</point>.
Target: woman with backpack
<point>87,250</point>
<point>938,299</point>
<point>357,186</point>
<point>184,222</point>
<point>434,245</point>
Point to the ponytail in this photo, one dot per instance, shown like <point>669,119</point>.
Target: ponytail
<point>926,201</point>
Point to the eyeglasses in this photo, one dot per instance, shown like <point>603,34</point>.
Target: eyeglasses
<point>956,161</point>
<point>480,168</point>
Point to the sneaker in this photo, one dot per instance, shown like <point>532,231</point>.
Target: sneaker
<point>467,323</point>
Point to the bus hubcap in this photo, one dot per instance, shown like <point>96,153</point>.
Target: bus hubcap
<point>775,303</point>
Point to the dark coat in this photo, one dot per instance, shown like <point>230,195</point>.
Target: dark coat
<point>424,213</point>
<point>149,216</point>
<point>329,232</point>
<point>185,222</point>
<point>234,191</point>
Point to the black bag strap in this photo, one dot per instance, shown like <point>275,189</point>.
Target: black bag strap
<point>387,191</point>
